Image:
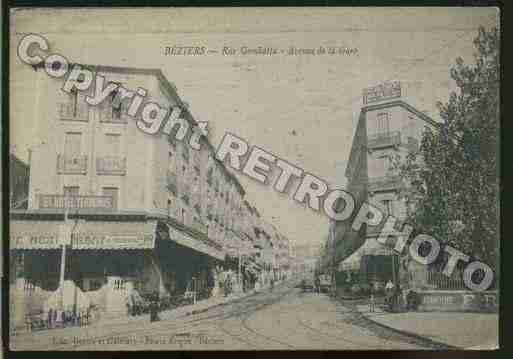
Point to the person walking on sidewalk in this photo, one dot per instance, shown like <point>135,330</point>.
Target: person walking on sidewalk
<point>154,307</point>
<point>372,302</point>
<point>317,285</point>
<point>49,321</point>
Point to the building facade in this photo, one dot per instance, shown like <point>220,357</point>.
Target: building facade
<point>388,129</point>
<point>114,213</point>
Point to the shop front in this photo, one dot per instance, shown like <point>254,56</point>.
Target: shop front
<point>90,265</point>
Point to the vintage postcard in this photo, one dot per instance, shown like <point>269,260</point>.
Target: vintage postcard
<point>254,178</point>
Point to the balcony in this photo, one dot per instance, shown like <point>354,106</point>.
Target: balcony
<point>171,182</point>
<point>382,140</point>
<point>111,165</point>
<point>385,183</point>
<point>71,112</point>
<point>72,164</point>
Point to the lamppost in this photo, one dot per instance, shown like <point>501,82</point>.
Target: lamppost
<point>65,236</point>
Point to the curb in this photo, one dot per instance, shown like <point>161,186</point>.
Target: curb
<point>351,298</point>
<point>431,342</point>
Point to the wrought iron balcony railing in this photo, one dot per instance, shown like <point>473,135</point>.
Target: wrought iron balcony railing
<point>111,165</point>
<point>381,140</point>
<point>385,183</point>
<point>72,112</point>
<point>71,164</point>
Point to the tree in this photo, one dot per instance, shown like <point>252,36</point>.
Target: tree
<point>453,178</point>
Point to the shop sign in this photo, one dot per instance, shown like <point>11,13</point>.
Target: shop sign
<point>65,233</point>
<point>82,235</point>
<point>382,91</point>
<point>458,301</point>
<point>55,201</point>
<point>34,241</point>
<point>104,241</point>
<point>82,241</point>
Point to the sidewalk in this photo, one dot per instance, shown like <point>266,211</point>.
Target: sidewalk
<point>463,330</point>
<point>178,312</point>
<point>104,324</point>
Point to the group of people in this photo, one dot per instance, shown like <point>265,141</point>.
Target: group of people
<point>394,297</point>
<point>57,318</point>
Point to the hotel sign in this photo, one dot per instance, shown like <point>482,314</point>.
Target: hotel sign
<point>55,201</point>
<point>88,235</point>
<point>384,91</point>
<point>82,241</point>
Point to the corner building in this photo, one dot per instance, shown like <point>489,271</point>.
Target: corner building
<point>145,213</point>
<point>388,126</point>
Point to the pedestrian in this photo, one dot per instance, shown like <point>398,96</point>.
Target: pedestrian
<point>317,285</point>
<point>87,315</point>
<point>50,319</point>
<point>28,323</point>
<point>154,309</point>
<point>372,303</point>
<point>411,300</point>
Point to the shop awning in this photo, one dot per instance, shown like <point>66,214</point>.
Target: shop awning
<point>189,241</point>
<point>30,234</point>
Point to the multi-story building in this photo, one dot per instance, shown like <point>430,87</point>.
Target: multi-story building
<point>388,128</point>
<point>113,210</point>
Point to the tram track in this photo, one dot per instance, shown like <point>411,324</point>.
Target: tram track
<point>199,319</point>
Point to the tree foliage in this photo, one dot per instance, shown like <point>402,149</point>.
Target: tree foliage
<point>453,178</point>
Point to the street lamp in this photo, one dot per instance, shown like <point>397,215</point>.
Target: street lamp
<point>64,237</point>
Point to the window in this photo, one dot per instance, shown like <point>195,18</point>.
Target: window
<point>382,125</point>
<point>388,204</point>
<point>71,191</point>
<point>185,153</point>
<point>74,101</point>
<point>112,192</point>
<point>72,143</point>
<point>210,176</point>
<point>116,112</point>
<point>112,144</point>
<point>382,165</point>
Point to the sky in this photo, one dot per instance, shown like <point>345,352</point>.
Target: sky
<point>303,109</point>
